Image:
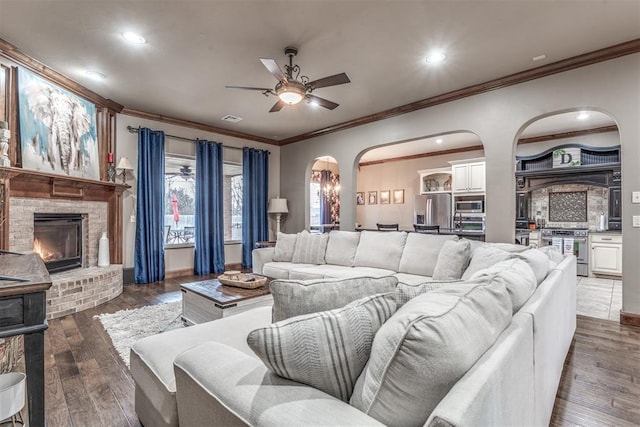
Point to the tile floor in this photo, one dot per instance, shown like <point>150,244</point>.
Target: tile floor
<point>600,298</point>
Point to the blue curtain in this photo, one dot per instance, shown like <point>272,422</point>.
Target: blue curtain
<point>149,250</point>
<point>255,193</point>
<point>209,221</point>
<point>325,201</point>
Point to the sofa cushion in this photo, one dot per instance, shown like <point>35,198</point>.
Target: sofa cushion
<point>406,292</point>
<point>328,271</point>
<point>515,275</point>
<point>341,248</point>
<point>310,248</point>
<point>425,348</point>
<point>553,253</point>
<point>280,270</point>
<point>285,245</point>
<point>483,257</point>
<point>325,350</point>
<point>421,251</point>
<point>538,261</point>
<point>294,298</point>
<point>452,260</point>
<point>380,249</point>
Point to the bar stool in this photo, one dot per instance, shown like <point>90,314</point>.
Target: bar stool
<point>12,390</point>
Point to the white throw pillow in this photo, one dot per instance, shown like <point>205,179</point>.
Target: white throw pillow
<point>452,260</point>
<point>297,297</point>
<point>285,245</point>
<point>310,248</point>
<point>515,275</point>
<point>420,253</point>
<point>538,261</point>
<point>341,248</point>
<point>483,257</point>
<point>325,350</point>
<point>425,348</point>
<point>553,253</point>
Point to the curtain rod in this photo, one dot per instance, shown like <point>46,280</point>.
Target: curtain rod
<point>131,129</point>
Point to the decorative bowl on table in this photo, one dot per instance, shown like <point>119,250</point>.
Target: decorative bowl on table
<point>242,280</point>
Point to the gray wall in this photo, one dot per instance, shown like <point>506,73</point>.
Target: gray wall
<point>497,117</point>
<point>127,146</point>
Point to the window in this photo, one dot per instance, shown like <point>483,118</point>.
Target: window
<point>232,201</point>
<point>179,200</point>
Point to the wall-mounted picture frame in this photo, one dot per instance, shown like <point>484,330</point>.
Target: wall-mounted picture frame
<point>385,197</point>
<point>360,198</point>
<point>57,129</point>
<point>373,197</point>
<point>398,196</point>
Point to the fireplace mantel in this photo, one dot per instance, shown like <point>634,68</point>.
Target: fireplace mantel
<point>18,182</point>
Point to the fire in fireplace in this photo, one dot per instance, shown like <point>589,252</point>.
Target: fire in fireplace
<point>57,238</point>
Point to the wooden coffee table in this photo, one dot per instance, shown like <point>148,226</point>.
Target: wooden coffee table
<point>210,300</point>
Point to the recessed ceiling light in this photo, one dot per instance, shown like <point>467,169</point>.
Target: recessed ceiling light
<point>435,57</point>
<point>133,38</point>
<point>95,75</point>
<point>539,57</point>
<point>439,141</point>
<point>314,103</point>
<point>583,115</point>
<point>231,118</point>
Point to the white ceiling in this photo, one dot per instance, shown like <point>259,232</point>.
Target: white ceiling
<point>195,48</point>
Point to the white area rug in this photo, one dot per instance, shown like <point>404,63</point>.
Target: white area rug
<point>125,327</point>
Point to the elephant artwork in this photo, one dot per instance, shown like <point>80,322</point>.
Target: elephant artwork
<point>57,129</point>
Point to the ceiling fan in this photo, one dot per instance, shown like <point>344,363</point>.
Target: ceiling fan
<point>292,87</point>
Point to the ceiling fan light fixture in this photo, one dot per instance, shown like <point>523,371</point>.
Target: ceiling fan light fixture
<point>291,93</point>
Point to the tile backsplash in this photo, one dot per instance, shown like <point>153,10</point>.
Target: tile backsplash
<point>571,206</point>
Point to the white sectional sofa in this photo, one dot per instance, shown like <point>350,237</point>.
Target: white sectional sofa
<point>208,375</point>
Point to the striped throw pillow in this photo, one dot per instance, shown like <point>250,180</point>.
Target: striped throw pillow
<point>310,248</point>
<point>326,350</point>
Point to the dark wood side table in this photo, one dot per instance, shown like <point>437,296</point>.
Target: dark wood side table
<point>23,312</point>
<point>210,300</point>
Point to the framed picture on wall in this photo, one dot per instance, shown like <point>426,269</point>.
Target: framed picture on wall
<point>373,197</point>
<point>360,198</point>
<point>398,196</point>
<point>385,197</point>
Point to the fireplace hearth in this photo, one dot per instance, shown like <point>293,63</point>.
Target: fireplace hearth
<point>57,238</point>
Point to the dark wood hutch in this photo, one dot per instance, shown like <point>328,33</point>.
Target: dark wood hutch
<point>598,166</point>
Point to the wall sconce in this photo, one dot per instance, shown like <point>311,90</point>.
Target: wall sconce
<point>124,165</point>
<point>278,207</point>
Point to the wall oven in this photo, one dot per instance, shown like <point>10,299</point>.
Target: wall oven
<point>469,222</point>
<point>470,206</point>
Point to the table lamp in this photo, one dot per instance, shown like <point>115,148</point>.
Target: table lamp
<point>278,207</point>
<point>124,165</point>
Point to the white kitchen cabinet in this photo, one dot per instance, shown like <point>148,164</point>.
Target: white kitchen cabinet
<point>605,254</point>
<point>435,180</point>
<point>468,177</point>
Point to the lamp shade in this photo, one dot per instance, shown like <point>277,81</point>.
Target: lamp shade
<point>278,206</point>
<point>124,164</point>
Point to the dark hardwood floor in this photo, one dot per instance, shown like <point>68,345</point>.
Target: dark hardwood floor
<point>88,385</point>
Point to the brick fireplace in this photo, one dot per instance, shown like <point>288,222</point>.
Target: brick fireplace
<point>98,207</point>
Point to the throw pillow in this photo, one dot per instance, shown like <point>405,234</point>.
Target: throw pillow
<point>310,248</point>
<point>420,253</point>
<point>296,297</point>
<point>380,249</point>
<point>452,260</point>
<point>483,257</point>
<point>341,248</point>
<point>515,275</point>
<point>325,350</point>
<point>285,245</point>
<point>553,253</point>
<point>425,348</point>
<point>406,292</point>
<point>538,261</point>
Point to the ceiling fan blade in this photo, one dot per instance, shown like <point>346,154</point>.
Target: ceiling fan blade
<point>330,105</point>
<point>277,106</point>
<point>249,88</point>
<point>336,79</point>
<point>274,69</point>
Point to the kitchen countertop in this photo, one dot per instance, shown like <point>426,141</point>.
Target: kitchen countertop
<point>606,232</point>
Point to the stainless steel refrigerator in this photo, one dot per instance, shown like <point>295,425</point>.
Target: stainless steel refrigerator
<point>432,209</point>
